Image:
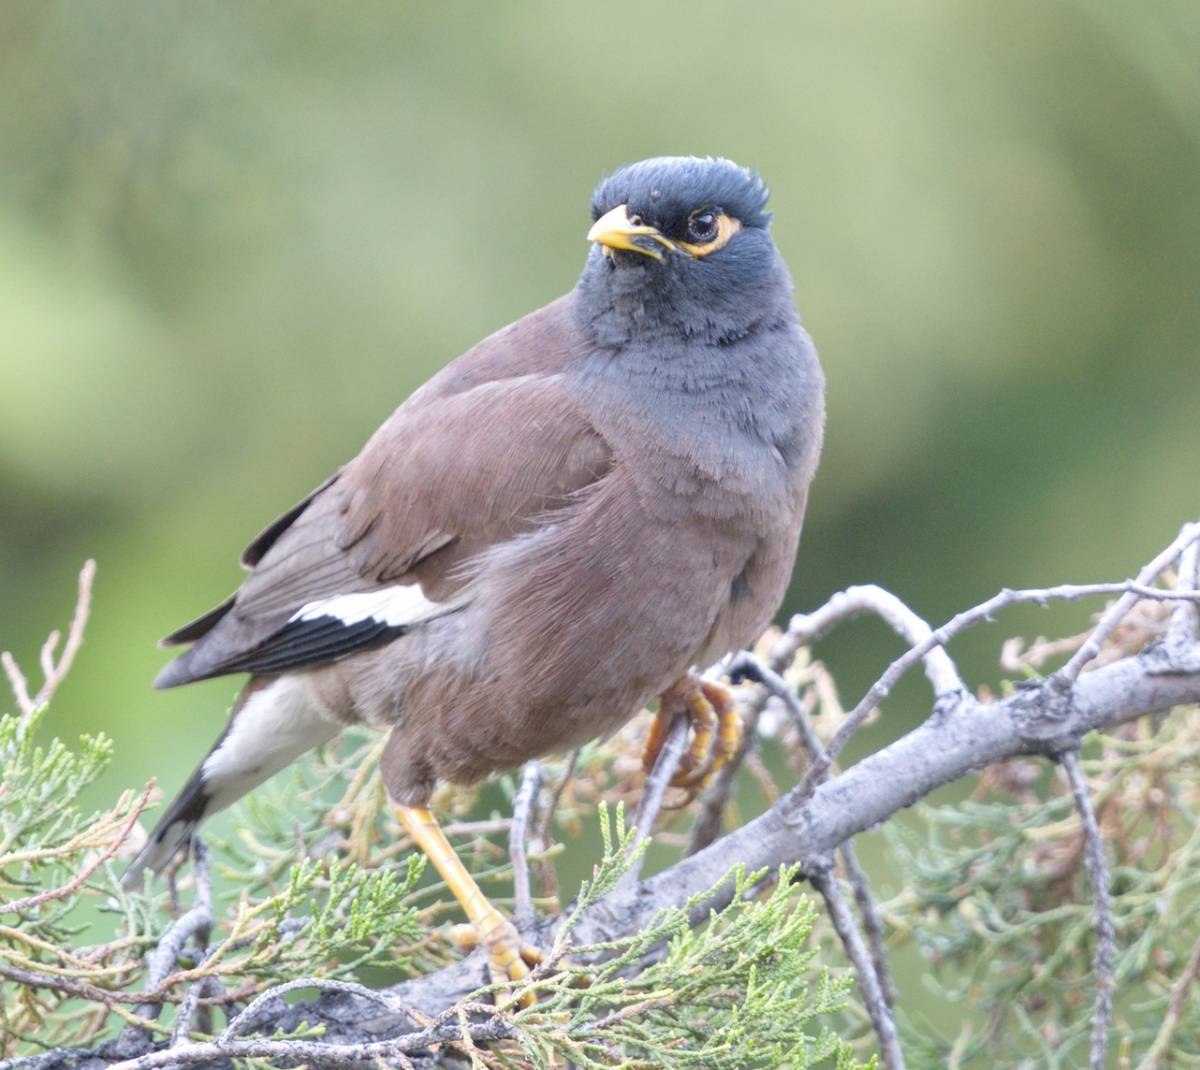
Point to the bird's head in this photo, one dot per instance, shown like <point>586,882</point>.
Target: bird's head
<point>683,240</point>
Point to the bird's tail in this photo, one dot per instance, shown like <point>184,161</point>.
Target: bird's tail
<point>272,723</point>
<point>174,830</point>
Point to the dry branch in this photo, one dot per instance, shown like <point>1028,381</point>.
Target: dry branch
<point>53,671</point>
<point>810,823</point>
<point>806,827</point>
<point>845,925</point>
<point>523,805</point>
<point>1106,937</point>
<point>875,981</point>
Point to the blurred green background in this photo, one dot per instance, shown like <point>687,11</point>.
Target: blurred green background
<point>233,236</point>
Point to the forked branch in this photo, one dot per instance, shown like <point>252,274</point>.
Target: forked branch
<point>811,822</point>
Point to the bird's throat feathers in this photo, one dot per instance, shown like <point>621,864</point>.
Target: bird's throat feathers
<point>680,301</point>
<point>726,344</point>
<point>751,388</point>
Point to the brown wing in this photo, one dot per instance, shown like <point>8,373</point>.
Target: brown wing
<point>251,556</point>
<point>464,464</point>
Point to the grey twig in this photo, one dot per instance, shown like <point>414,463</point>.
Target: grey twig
<point>804,629</point>
<point>959,623</point>
<point>70,985</point>
<point>245,1019</point>
<point>182,1026</point>
<point>659,780</point>
<point>48,1060</point>
<point>1159,1052</point>
<point>848,932</point>
<point>53,671</point>
<point>18,683</point>
<point>872,920</point>
<point>540,837</point>
<point>707,825</point>
<point>195,923</point>
<point>1185,618</point>
<point>1112,617</point>
<point>316,1052</point>
<point>1106,938</point>
<point>653,792</point>
<point>523,805</point>
<point>749,667</point>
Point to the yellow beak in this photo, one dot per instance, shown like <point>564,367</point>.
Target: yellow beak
<point>615,230</point>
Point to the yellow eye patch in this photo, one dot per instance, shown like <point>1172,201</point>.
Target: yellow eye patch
<point>727,227</point>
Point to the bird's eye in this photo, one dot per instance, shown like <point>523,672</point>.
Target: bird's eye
<point>702,225</point>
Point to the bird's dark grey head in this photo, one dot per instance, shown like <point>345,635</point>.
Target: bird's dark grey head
<point>668,191</point>
<point>681,245</point>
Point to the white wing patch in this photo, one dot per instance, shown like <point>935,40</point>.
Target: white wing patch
<point>272,730</point>
<point>394,606</point>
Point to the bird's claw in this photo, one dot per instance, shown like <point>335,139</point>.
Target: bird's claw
<point>510,959</point>
<point>716,732</point>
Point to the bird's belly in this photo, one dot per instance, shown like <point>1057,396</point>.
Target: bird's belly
<point>565,638</point>
<point>754,597</point>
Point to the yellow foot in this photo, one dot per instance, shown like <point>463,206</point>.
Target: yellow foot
<point>509,957</point>
<point>716,731</point>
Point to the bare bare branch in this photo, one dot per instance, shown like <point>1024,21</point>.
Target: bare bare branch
<point>70,985</point>
<point>659,780</point>
<point>245,1019</point>
<point>707,825</point>
<point>872,920</point>
<point>195,923</point>
<point>1106,937</point>
<point>182,1026</point>
<point>805,629</point>
<point>540,838</point>
<point>1185,618</point>
<point>848,932</point>
<point>496,1028</point>
<point>1112,617</point>
<point>53,671</point>
<point>18,683</point>
<point>747,666</point>
<point>1159,1053</point>
<point>960,622</point>
<point>1017,656</point>
<point>523,803</point>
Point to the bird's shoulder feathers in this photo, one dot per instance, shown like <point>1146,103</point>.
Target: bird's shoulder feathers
<point>475,457</point>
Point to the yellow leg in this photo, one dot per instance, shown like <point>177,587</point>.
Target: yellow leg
<point>508,957</point>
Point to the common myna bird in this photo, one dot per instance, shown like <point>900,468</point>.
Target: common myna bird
<point>550,532</point>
